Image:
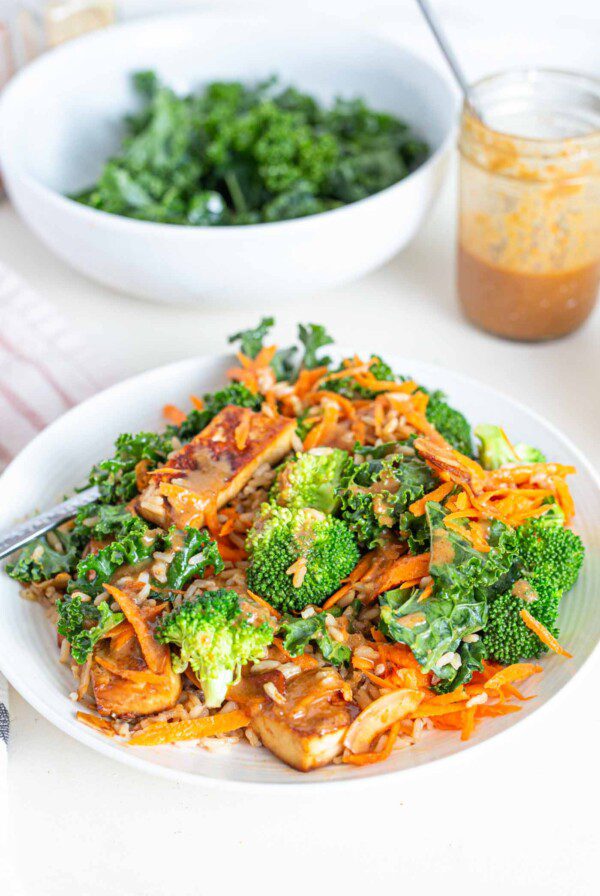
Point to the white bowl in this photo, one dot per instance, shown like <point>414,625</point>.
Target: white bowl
<point>61,117</point>
<point>60,457</point>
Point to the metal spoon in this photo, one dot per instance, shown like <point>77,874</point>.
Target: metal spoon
<point>39,525</point>
<point>436,29</point>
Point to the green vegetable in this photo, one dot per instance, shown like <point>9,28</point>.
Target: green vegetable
<point>450,423</point>
<point>495,450</point>
<point>216,638</point>
<point>298,633</point>
<point>444,619</point>
<point>102,521</point>
<point>282,536</point>
<point>314,337</point>
<point>197,553</point>
<point>83,624</point>
<point>471,655</point>
<point>310,479</point>
<point>95,570</point>
<point>251,341</point>
<point>234,154</point>
<point>464,580</point>
<point>349,388</point>
<point>39,561</point>
<point>376,493</point>
<point>115,477</point>
<point>550,560</point>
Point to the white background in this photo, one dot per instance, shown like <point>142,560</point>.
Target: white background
<point>518,819</point>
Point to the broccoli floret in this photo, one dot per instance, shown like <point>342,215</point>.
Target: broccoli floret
<point>495,450</point>
<point>450,423</point>
<point>216,637</point>
<point>376,493</point>
<point>550,558</point>
<point>280,538</point>
<point>310,480</point>
<point>83,624</point>
<point>197,553</point>
<point>298,632</point>
<point>551,555</point>
<point>507,639</point>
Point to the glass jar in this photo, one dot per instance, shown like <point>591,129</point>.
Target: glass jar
<point>528,263</point>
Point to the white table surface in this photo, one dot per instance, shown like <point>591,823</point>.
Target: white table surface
<point>82,824</point>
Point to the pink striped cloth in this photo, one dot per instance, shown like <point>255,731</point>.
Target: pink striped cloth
<point>46,367</point>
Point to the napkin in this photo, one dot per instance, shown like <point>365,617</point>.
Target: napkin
<point>46,367</point>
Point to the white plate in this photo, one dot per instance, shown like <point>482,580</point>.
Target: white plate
<point>61,456</point>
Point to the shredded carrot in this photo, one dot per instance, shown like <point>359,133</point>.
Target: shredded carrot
<point>355,576</point>
<point>227,527</point>
<point>97,723</point>
<point>425,593</point>
<point>468,725</point>
<point>380,682</point>
<point>345,404</point>
<point>516,672</point>
<point>141,675</point>
<point>371,757</point>
<point>173,414</point>
<point>228,552</point>
<point>543,634</point>
<point>242,430</point>
<point>263,603</point>
<point>319,433</point>
<point>191,675</point>
<point>197,402</point>
<point>402,570</point>
<point>155,654</point>
<point>417,508</point>
<point>307,379</point>
<point>362,663</point>
<point>191,729</point>
<point>429,710</point>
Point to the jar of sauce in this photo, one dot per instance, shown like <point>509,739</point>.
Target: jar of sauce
<point>528,264</point>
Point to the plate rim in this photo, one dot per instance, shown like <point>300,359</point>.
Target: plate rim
<point>70,727</point>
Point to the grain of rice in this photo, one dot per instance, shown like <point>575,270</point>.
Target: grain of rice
<point>251,737</point>
<point>65,652</point>
<point>477,700</point>
<point>298,570</point>
<point>307,612</point>
<point>289,670</point>
<point>379,669</point>
<point>471,639</point>
<point>367,653</point>
<point>54,542</point>
<point>168,556</point>
<point>264,666</point>
<point>272,692</point>
<point>159,571</point>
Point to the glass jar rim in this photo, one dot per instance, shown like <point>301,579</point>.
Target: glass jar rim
<point>529,74</point>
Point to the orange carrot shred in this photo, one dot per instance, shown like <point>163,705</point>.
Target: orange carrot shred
<point>190,729</point>
<point>543,634</point>
<point>173,414</point>
<point>97,723</point>
<point>516,672</point>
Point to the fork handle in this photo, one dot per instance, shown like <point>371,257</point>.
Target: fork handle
<point>38,525</point>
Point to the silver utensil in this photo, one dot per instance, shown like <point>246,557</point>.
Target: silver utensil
<point>436,29</point>
<point>38,525</point>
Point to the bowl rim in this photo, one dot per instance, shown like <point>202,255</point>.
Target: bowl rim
<point>135,758</point>
<point>14,167</point>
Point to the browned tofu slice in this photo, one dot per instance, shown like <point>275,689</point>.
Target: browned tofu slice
<point>124,686</point>
<point>215,465</point>
<point>306,730</point>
